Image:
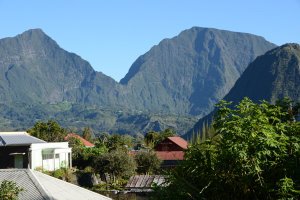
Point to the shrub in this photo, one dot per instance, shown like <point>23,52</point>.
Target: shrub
<point>9,190</point>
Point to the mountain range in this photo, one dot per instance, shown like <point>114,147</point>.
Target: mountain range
<point>182,76</point>
<point>272,76</point>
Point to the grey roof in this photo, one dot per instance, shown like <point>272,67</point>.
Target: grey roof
<point>25,179</point>
<point>58,189</point>
<point>144,181</point>
<point>39,186</point>
<point>18,139</point>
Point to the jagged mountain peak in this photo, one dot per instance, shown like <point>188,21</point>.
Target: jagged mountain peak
<point>190,72</point>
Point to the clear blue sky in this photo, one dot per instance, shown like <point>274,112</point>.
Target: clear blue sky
<point>112,34</point>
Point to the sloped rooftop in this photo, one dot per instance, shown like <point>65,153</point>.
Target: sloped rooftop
<point>170,155</point>
<point>86,143</point>
<point>17,138</point>
<point>58,189</point>
<point>179,141</point>
<point>26,180</point>
<point>39,186</point>
<point>137,182</point>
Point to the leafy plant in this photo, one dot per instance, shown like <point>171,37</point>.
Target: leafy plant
<point>9,190</point>
<point>49,131</point>
<point>253,155</point>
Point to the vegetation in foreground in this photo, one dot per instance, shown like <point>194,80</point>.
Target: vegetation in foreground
<point>9,190</point>
<point>253,155</point>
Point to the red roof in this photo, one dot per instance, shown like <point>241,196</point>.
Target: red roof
<point>87,143</point>
<point>170,155</point>
<point>179,141</point>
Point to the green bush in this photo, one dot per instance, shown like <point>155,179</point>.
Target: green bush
<point>9,190</point>
<point>59,173</point>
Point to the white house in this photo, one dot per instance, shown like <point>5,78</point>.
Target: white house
<point>20,150</point>
<point>50,156</point>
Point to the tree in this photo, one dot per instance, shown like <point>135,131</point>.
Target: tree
<point>77,147</point>
<point>153,138</point>
<point>50,131</point>
<point>116,141</point>
<point>86,134</point>
<point>128,140</point>
<point>9,190</point>
<point>117,163</point>
<point>253,155</point>
<point>147,162</point>
<point>82,156</point>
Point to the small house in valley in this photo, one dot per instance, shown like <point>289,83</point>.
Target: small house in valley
<point>171,151</point>
<point>20,150</point>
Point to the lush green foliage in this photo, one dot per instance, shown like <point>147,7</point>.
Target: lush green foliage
<point>83,156</point>
<point>62,173</point>
<point>254,155</point>
<point>86,134</point>
<point>153,138</point>
<point>147,162</point>
<point>116,141</point>
<point>77,147</point>
<point>50,131</point>
<point>117,163</point>
<point>9,190</point>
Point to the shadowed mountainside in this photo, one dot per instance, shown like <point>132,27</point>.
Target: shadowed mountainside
<point>269,77</point>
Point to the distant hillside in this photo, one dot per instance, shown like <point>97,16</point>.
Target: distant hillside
<point>101,119</point>
<point>270,77</point>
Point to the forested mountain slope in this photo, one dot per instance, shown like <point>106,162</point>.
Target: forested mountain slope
<point>269,77</point>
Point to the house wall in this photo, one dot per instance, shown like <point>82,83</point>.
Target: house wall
<point>167,145</point>
<point>50,156</point>
<point>7,161</point>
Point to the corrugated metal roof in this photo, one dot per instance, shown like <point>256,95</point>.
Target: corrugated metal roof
<point>144,181</point>
<point>25,179</point>
<point>18,139</point>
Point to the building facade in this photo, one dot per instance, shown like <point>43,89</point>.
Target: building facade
<point>20,150</point>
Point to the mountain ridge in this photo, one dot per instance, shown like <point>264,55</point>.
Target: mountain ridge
<point>184,75</point>
<point>272,76</point>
